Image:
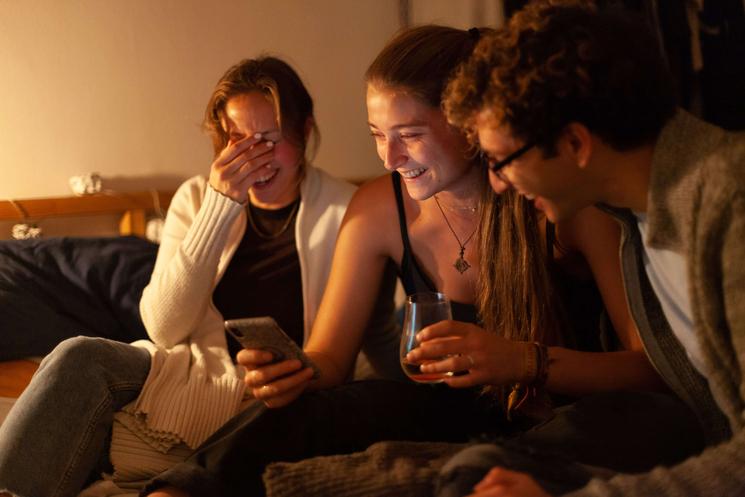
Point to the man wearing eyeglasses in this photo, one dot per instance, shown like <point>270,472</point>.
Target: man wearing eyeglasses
<point>574,107</point>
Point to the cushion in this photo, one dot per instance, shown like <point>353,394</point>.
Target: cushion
<point>56,288</point>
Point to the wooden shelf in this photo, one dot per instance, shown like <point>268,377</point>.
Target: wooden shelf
<point>132,207</point>
<point>15,375</point>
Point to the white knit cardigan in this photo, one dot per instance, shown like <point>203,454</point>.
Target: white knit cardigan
<point>193,387</point>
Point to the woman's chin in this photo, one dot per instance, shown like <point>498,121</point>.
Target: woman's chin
<point>419,190</point>
<point>272,194</point>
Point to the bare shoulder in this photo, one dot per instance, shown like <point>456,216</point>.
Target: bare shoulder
<point>375,199</point>
<point>371,219</point>
<point>588,230</point>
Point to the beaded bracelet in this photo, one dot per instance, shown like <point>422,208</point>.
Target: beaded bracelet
<point>535,368</point>
<point>530,363</point>
<point>535,364</point>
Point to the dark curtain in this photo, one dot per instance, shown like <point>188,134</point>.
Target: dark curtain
<point>716,92</point>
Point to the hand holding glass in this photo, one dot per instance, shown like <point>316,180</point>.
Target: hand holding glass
<point>422,310</point>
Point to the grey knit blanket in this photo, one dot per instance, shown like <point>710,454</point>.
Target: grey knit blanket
<point>385,469</point>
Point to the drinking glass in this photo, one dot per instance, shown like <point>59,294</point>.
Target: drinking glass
<point>421,310</point>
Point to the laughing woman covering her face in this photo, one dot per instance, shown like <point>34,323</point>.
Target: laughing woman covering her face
<point>254,239</point>
<point>425,218</point>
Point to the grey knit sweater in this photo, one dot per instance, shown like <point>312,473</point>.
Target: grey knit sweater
<point>696,207</point>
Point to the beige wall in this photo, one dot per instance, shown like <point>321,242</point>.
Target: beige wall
<point>119,87</point>
<point>462,14</point>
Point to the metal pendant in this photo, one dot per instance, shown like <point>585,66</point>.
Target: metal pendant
<point>461,265</point>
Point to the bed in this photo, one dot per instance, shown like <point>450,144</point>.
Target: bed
<point>58,287</point>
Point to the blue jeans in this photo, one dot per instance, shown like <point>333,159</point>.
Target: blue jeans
<point>55,439</point>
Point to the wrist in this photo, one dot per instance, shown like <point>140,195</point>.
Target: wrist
<point>242,201</point>
<point>533,377</point>
<point>331,372</point>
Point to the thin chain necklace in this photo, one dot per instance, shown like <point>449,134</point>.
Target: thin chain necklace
<point>461,265</point>
<point>461,210</point>
<point>272,236</point>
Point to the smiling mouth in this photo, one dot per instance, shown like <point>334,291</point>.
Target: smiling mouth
<point>263,180</point>
<point>413,173</point>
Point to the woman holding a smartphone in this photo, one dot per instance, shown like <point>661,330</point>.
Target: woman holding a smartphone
<point>261,225</point>
<point>425,218</point>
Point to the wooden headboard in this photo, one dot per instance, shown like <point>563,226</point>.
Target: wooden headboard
<point>133,208</point>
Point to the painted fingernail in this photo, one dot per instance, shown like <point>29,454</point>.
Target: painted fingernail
<point>269,144</point>
<point>257,135</point>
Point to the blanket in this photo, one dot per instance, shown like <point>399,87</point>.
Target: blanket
<point>385,469</point>
<point>56,288</point>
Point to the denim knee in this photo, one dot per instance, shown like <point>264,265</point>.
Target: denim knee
<point>90,361</point>
<point>73,349</point>
<point>73,356</point>
<point>64,416</point>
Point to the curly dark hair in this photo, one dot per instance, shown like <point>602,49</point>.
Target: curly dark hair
<point>554,64</point>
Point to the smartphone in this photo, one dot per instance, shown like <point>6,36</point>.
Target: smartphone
<point>265,334</point>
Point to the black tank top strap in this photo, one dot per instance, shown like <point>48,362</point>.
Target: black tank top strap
<point>396,178</point>
<point>412,278</point>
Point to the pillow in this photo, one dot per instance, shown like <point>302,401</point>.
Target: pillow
<point>56,288</point>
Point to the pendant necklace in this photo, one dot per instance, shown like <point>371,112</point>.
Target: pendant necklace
<point>272,236</point>
<point>461,265</point>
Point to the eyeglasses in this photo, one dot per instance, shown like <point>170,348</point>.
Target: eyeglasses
<point>496,166</point>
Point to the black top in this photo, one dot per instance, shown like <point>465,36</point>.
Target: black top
<point>590,328</point>
<point>412,277</point>
<point>263,277</point>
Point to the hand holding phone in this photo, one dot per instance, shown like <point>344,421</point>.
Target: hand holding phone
<point>263,333</point>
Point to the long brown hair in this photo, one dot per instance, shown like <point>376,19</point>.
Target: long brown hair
<point>516,297</point>
<point>421,60</point>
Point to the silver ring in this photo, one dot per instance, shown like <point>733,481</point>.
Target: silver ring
<point>470,359</point>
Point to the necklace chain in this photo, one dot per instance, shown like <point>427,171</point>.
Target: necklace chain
<point>461,209</point>
<point>460,264</point>
<point>272,236</point>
